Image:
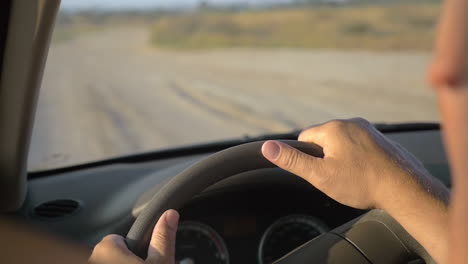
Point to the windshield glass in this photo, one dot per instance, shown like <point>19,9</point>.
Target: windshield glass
<point>125,77</point>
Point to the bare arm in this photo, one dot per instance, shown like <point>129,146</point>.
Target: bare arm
<point>448,74</point>
<point>362,168</point>
<point>22,245</point>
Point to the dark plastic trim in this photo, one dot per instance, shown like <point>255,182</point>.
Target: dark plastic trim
<point>5,8</point>
<point>161,154</point>
<point>29,31</point>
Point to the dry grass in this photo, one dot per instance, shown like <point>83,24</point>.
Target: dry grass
<point>370,27</point>
<point>65,33</point>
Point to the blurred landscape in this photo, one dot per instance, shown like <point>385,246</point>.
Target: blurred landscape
<point>368,25</point>
<point>398,26</point>
<point>120,81</point>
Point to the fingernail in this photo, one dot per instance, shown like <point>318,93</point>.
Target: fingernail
<point>172,218</point>
<point>271,150</point>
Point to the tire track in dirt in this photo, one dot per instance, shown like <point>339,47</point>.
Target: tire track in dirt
<point>229,109</point>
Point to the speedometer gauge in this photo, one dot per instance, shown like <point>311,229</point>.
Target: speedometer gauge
<point>198,243</point>
<point>286,234</point>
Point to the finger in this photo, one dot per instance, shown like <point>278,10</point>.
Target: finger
<point>322,134</point>
<point>162,245</point>
<point>450,66</point>
<point>313,135</point>
<point>318,134</point>
<point>116,241</point>
<point>112,249</point>
<point>292,160</point>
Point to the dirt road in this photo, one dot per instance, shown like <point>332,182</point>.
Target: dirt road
<point>109,93</point>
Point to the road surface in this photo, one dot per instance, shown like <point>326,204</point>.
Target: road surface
<point>108,93</point>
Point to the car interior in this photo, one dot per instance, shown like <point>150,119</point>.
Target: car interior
<point>235,206</point>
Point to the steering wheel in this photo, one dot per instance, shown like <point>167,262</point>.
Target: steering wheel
<point>374,237</point>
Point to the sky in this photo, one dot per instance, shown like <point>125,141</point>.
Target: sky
<point>142,4</point>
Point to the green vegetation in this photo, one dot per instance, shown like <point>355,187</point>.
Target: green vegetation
<point>62,35</point>
<point>400,26</point>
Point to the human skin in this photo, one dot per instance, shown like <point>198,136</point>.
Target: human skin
<point>364,169</point>
<point>23,244</point>
<point>448,75</point>
<point>112,248</point>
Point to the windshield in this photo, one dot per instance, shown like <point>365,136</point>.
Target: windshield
<point>124,77</point>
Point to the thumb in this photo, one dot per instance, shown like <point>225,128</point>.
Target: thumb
<point>291,159</point>
<point>162,245</point>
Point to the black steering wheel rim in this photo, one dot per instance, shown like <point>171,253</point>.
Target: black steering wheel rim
<point>193,180</point>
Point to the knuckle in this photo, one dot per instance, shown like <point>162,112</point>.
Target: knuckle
<point>102,249</point>
<point>99,247</point>
<point>110,238</point>
<point>359,124</point>
<point>291,159</point>
<point>160,238</point>
<point>336,124</point>
<point>305,133</point>
<point>108,243</point>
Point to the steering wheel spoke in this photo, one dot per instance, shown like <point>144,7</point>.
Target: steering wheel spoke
<point>327,248</point>
<point>373,238</point>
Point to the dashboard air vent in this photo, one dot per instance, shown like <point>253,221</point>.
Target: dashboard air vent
<point>56,209</point>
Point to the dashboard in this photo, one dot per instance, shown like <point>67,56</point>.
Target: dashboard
<point>256,224</point>
<point>254,217</point>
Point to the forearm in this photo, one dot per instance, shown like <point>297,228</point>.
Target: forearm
<point>421,207</point>
<point>453,103</point>
<point>449,75</point>
<point>21,244</point>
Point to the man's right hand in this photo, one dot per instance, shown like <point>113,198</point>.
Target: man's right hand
<point>362,168</point>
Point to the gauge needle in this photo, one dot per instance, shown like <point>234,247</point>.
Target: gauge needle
<point>187,261</point>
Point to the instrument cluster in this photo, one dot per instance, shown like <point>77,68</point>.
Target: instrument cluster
<point>198,242</point>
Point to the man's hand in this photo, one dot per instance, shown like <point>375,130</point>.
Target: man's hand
<point>113,250</point>
<point>362,168</point>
